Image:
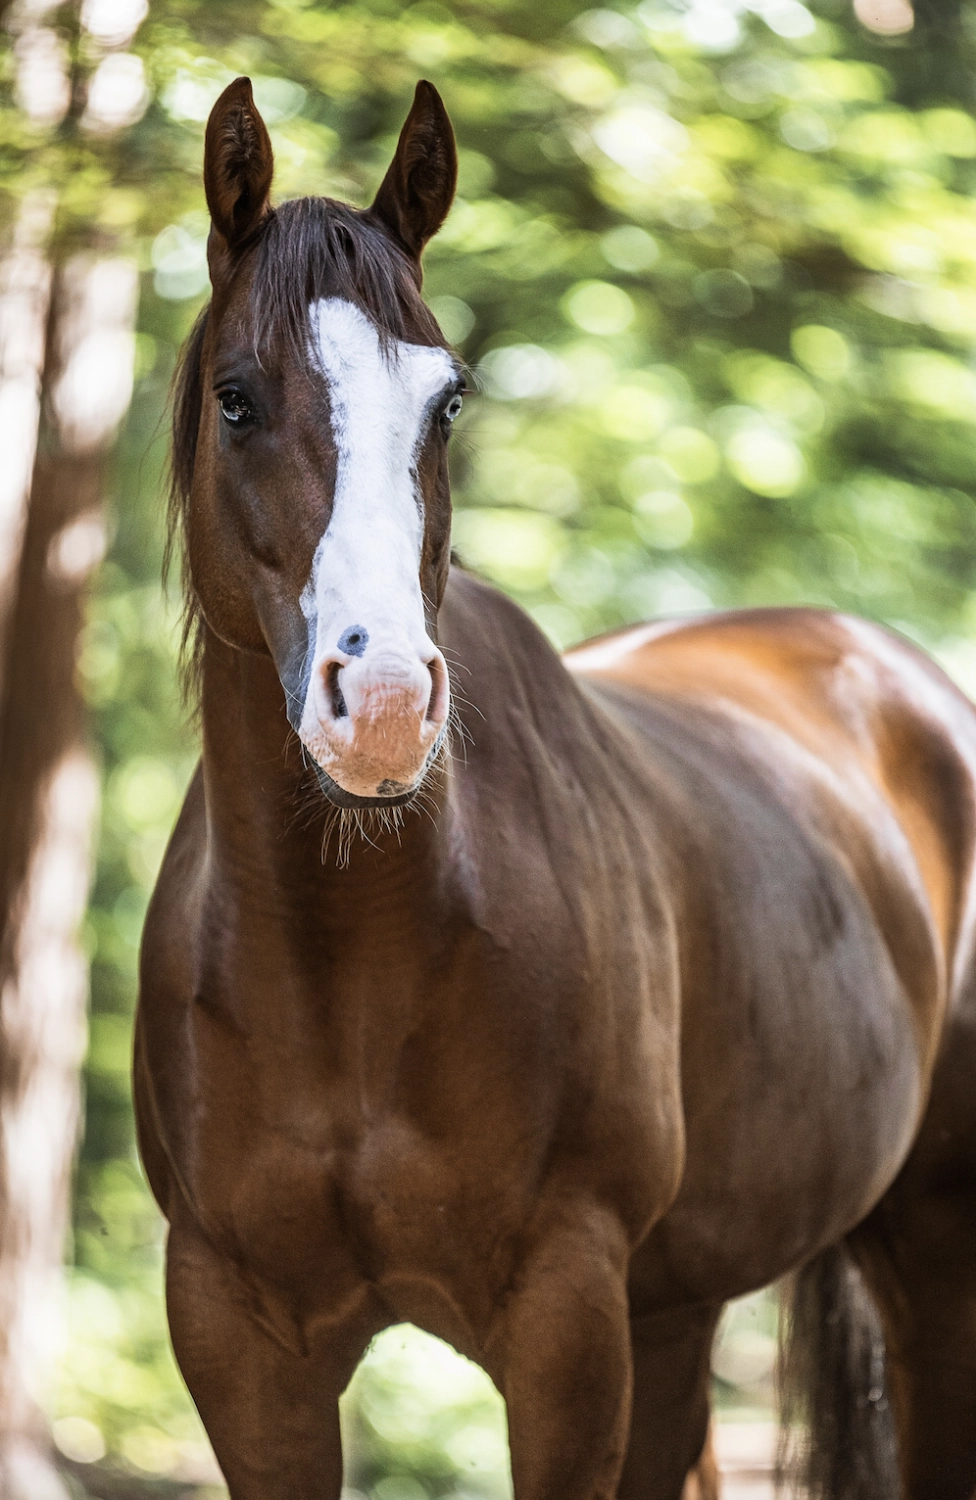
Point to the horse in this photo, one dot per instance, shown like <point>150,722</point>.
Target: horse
<point>547,1004</point>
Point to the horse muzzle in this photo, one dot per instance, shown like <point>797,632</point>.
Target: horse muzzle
<point>373,723</point>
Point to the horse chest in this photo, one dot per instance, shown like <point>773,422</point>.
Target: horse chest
<point>382,1207</point>
<point>394,1125</point>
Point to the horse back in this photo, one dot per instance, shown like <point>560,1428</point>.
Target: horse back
<point>839,701</point>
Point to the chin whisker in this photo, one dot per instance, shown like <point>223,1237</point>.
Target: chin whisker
<point>350,825</point>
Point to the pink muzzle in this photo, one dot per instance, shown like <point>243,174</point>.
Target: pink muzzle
<point>376,718</point>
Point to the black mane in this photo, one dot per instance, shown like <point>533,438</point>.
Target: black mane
<point>309,248</point>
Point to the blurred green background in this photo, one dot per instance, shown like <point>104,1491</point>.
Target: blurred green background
<point>713,266</point>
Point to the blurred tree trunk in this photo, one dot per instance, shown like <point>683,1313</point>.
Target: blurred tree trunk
<point>47,807</point>
<point>25,290</point>
<point>66,321</point>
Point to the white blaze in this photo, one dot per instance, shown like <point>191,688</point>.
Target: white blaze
<point>366,569</point>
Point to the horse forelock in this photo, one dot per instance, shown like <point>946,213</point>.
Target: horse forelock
<point>315,248</point>
<point>308,250</point>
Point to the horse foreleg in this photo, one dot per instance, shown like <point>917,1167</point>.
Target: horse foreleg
<point>561,1356</point>
<point>269,1405</point>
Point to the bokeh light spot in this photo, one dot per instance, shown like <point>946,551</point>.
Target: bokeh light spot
<point>690,453</point>
<point>886,17</point>
<point>663,519</point>
<point>519,371</point>
<point>455,317</point>
<point>765,460</point>
<point>599,307</point>
<point>78,1439</point>
<point>630,248</point>
<point>633,413</point>
<point>517,548</point>
<point>823,351</point>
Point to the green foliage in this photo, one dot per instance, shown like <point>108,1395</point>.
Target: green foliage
<point>419,1420</point>
<point>713,266</point>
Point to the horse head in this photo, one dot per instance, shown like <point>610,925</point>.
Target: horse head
<point>317,503</point>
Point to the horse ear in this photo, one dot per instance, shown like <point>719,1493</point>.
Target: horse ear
<point>237,168</point>
<point>418,190</point>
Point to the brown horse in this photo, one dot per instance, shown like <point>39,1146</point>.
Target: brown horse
<point>660,990</point>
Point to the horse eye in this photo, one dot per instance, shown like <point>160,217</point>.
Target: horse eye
<point>234,406</point>
<point>453,408</point>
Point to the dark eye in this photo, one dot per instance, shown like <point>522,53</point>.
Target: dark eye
<point>451,411</point>
<point>234,406</point>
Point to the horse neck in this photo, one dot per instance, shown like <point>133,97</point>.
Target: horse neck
<point>270,829</point>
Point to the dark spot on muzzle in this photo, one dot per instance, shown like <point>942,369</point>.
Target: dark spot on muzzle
<point>354,640</point>
<point>338,794</point>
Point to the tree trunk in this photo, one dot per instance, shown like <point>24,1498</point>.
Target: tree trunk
<point>47,806</point>
<point>66,344</point>
<point>25,290</point>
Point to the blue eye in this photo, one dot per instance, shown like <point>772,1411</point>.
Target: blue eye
<point>234,406</point>
<point>453,408</point>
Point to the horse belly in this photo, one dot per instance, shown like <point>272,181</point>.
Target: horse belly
<point>801,1106</point>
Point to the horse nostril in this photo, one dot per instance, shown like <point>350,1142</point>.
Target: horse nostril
<point>339,708</point>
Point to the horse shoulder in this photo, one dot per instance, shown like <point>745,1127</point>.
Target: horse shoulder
<point>167,968</point>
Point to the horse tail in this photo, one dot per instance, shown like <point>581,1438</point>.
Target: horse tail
<point>837,1433</point>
